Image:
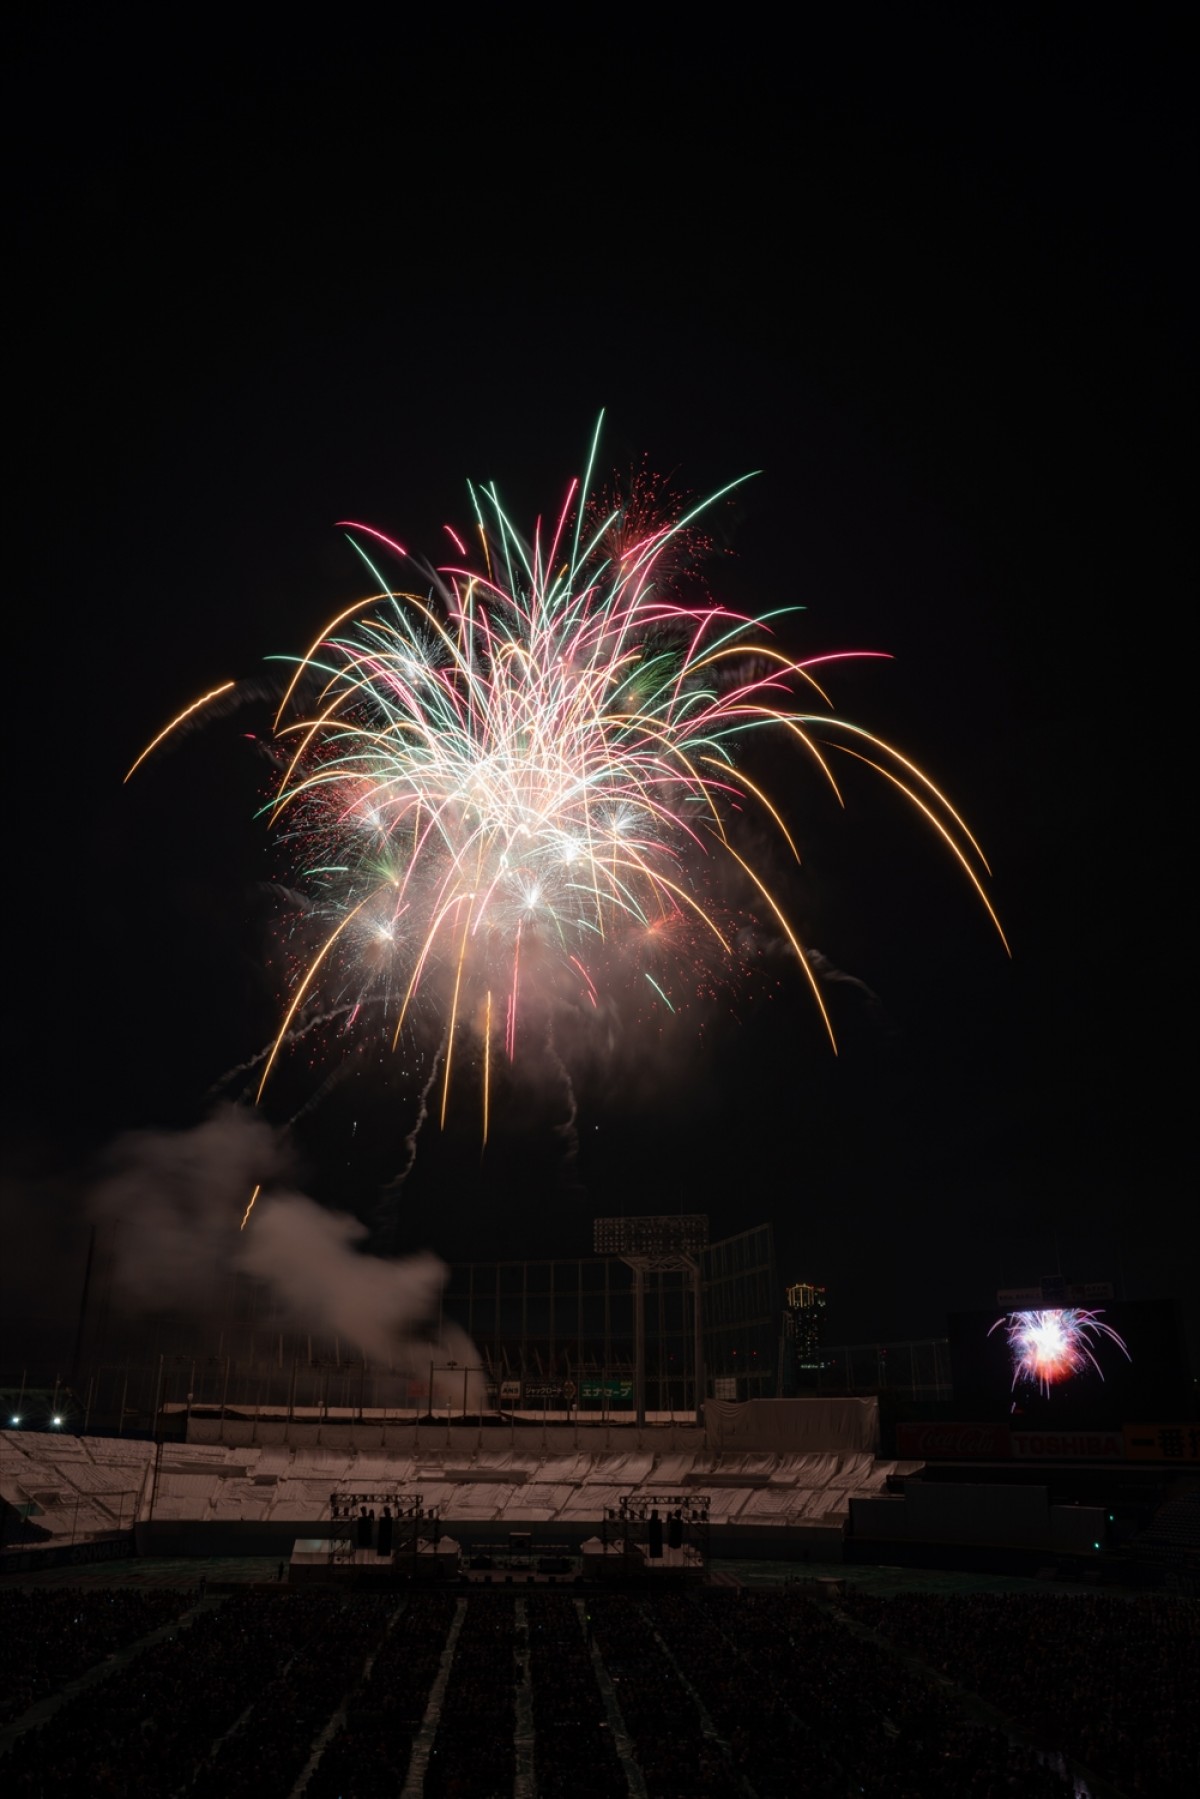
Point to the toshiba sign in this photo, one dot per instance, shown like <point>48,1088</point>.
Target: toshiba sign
<point>1068,1445</point>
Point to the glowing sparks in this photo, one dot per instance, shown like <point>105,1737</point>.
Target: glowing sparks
<point>196,705</point>
<point>1050,1347</point>
<point>523,781</point>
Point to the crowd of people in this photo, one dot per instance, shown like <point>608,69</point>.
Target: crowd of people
<point>289,1703</point>
<point>152,1726</point>
<point>711,1693</point>
<point>767,1741</point>
<point>575,1749</point>
<point>370,1748</point>
<point>474,1753</point>
<point>48,1639</point>
<point>1109,1681</point>
<point>671,1746</point>
<point>862,1719</point>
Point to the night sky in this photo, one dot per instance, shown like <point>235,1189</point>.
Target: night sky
<point>932,286</point>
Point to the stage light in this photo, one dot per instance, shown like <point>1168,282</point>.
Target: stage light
<point>56,1420</point>
<point>15,1421</point>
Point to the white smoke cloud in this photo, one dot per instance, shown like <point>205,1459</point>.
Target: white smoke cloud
<point>308,1256</point>
<point>177,1200</point>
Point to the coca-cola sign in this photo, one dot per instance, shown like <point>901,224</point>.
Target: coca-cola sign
<point>953,1442</point>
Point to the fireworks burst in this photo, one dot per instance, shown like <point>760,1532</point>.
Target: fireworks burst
<point>1048,1348</point>
<point>521,784</point>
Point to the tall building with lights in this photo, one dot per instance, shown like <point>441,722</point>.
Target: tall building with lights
<point>803,1333</point>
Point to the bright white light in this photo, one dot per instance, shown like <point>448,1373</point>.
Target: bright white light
<point>56,1420</point>
<point>16,1421</point>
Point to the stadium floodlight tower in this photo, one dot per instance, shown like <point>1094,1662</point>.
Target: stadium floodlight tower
<point>658,1245</point>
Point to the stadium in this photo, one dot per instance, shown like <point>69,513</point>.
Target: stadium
<point>603,1552</point>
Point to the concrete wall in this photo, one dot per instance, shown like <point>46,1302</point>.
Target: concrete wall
<point>171,1537</point>
<point>372,1436</point>
<point>781,1426</point>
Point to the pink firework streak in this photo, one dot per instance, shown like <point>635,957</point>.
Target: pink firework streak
<point>1048,1348</point>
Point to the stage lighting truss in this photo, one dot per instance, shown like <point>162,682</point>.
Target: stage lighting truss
<point>630,1522</point>
<point>345,1507</point>
<point>635,1508</point>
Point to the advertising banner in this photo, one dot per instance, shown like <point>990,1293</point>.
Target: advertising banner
<point>1162,1442</point>
<point>612,1388</point>
<point>1068,1445</point>
<point>953,1442</point>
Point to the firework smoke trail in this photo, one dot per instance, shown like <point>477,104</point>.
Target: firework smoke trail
<point>256,1061</point>
<point>333,1079</point>
<point>410,1142</point>
<point>1048,1347</point>
<point>567,1130</point>
<point>511,789</point>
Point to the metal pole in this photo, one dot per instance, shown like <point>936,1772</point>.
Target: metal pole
<point>662,1341</point>
<point>639,1344</point>
<point>157,1470</point>
<point>83,1301</point>
<point>698,1338</point>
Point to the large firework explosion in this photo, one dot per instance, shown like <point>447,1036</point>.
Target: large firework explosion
<point>1049,1347</point>
<point>524,781</point>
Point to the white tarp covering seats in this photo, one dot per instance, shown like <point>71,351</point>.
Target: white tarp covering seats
<point>844,1426</point>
